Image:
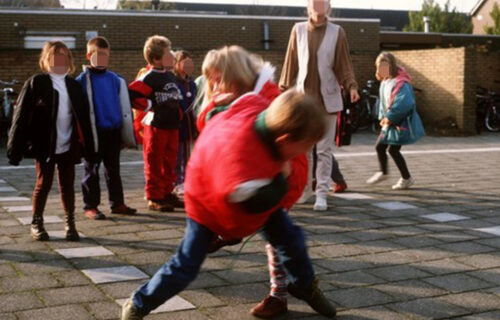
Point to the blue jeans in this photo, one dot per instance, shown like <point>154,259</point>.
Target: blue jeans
<point>176,274</point>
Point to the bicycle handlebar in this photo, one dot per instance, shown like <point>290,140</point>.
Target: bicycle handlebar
<point>11,83</point>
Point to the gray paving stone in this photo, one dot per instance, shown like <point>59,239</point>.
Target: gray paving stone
<point>11,302</point>
<point>473,301</point>
<point>241,276</point>
<point>202,298</point>
<point>408,290</point>
<point>7,316</point>
<point>239,294</point>
<point>46,219</point>
<point>358,297</point>
<point>71,278</point>
<point>84,252</point>
<point>466,247</point>
<point>494,315</point>
<point>340,250</point>
<point>428,309</point>
<point>371,313</point>
<point>397,273</point>
<point>46,266</point>
<point>13,199</point>
<point>489,275</point>
<point>350,279</point>
<point>7,189</point>
<point>69,312</point>
<point>19,208</point>
<point>207,280</point>
<point>104,310</point>
<point>26,283</point>
<point>114,274</point>
<point>71,295</point>
<point>121,290</point>
<point>443,266</point>
<point>352,196</point>
<point>481,261</point>
<point>176,303</point>
<point>457,282</point>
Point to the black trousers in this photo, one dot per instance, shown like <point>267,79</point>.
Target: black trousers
<point>395,152</point>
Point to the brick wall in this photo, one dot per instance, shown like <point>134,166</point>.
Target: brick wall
<point>446,81</point>
<point>127,32</point>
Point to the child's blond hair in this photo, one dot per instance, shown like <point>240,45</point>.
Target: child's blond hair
<point>154,48</point>
<point>389,58</point>
<point>240,69</point>
<point>298,115</point>
<point>49,50</point>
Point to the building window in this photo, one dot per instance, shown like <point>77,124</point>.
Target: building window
<point>37,42</point>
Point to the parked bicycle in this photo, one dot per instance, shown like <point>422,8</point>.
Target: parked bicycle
<point>7,103</point>
<point>487,109</point>
<point>365,113</point>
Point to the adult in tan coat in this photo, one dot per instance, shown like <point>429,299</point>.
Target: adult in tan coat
<point>318,62</point>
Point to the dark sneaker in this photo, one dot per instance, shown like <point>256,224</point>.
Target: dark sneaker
<point>38,231</point>
<point>314,298</point>
<point>129,312</point>
<point>123,209</point>
<point>340,187</point>
<point>174,200</point>
<point>270,307</point>
<point>220,242</point>
<point>70,228</point>
<point>94,214</point>
<point>160,205</point>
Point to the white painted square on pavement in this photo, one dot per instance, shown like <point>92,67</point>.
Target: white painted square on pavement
<point>84,252</point>
<point>19,208</point>
<point>175,303</point>
<point>14,199</point>
<point>3,181</point>
<point>114,274</point>
<point>492,230</point>
<point>445,217</point>
<point>394,205</point>
<point>46,219</point>
<point>61,234</point>
<point>7,189</point>
<point>352,196</point>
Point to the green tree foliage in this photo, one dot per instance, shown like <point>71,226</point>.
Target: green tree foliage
<point>444,19</point>
<point>143,5</point>
<point>495,16</point>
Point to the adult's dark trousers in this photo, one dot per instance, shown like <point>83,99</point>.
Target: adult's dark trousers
<point>109,154</point>
<point>395,152</point>
<point>44,177</point>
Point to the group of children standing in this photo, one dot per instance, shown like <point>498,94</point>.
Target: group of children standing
<point>247,169</point>
<point>59,121</point>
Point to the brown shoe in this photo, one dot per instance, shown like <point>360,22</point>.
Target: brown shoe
<point>160,205</point>
<point>174,200</point>
<point>270,307</point>
<point>314,298</point>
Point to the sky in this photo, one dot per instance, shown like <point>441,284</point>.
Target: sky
<point>460,5</point>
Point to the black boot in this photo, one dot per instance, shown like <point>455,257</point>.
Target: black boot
<point>71,233</point>
<point>37,230</point>
<point>314,298</point>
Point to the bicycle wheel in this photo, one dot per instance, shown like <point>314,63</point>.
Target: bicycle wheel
<point>492,119</point>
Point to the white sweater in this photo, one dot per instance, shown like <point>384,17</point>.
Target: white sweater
<point>64,120</point>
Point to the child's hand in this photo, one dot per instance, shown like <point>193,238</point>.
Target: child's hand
<point>385,122</point>
<point>287,169</point>
<point>223,98</point>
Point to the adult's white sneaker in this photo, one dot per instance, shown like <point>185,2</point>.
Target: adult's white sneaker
<point>403,184</point>
<point>320,204</point>
<point>377,177</point>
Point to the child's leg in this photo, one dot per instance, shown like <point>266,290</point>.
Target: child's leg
<point>91,191</point>
<point>382,156</point>
<point>154,154</point>
<point>111,161</point>
<point>66,179</point>
<point>44,178</point>
<point>289,243</point>
<point>277,274</point>
<point>176,274</point>
<point>170,160</point>
<point>394,151</point>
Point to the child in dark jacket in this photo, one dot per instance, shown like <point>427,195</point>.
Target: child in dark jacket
<point>52,125</point>
<point>183,69</point>
<point>111,121</point>
<point>157,93</point>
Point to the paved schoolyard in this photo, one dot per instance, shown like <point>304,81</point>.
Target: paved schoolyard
<point>432,252</point>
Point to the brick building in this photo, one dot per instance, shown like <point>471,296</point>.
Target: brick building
<point>481,15</point>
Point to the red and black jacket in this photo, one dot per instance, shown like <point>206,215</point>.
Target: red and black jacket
<point>34,133</point>
<point>157,91</point>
